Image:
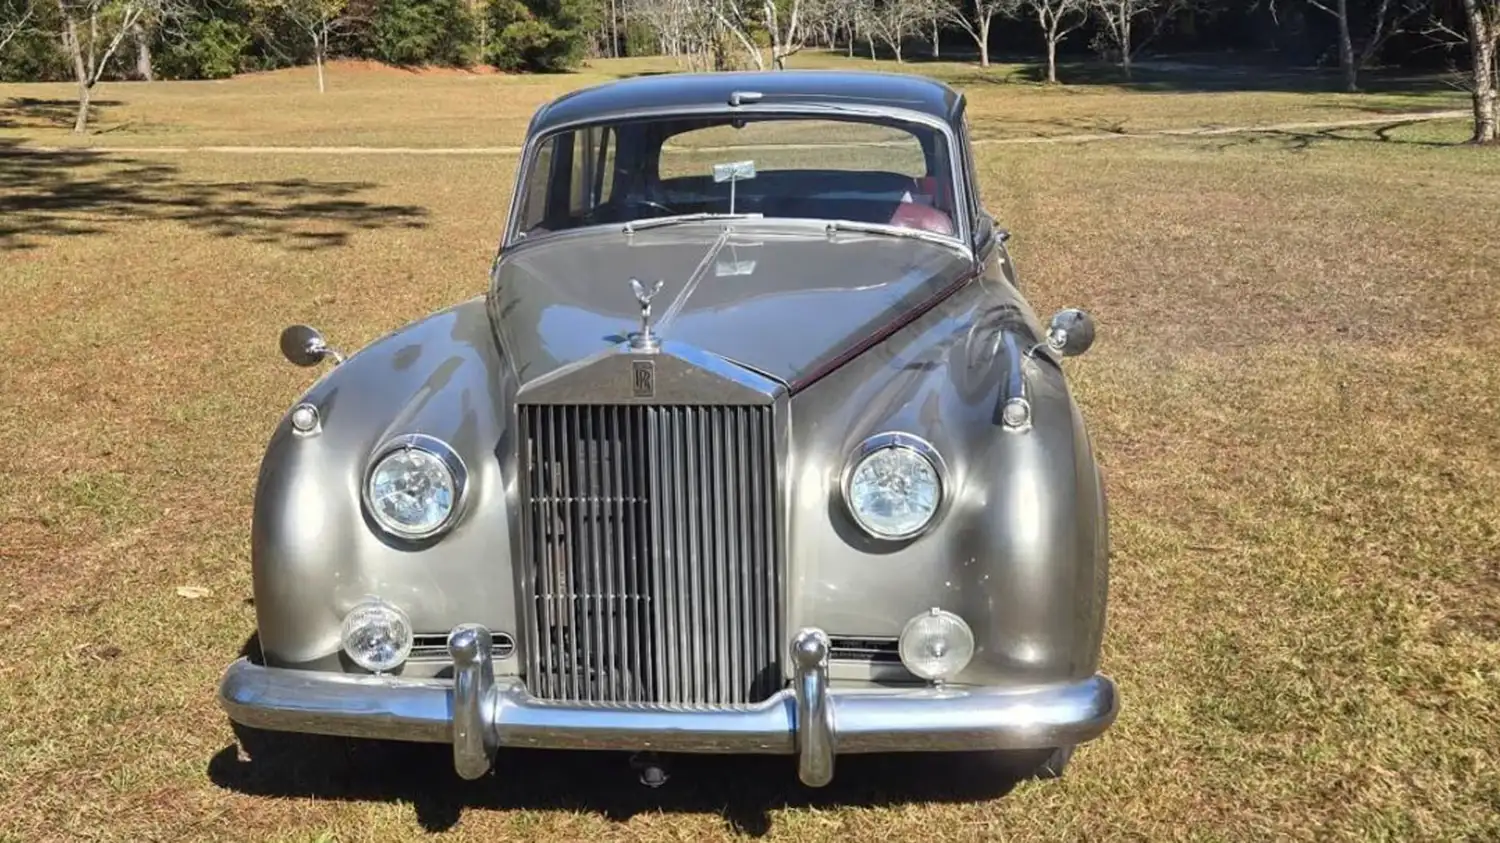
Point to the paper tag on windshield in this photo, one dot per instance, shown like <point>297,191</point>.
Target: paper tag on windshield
<point>734,171</point>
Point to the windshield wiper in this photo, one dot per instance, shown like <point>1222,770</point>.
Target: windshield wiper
<point>891,230</point>
<point>658,222</point>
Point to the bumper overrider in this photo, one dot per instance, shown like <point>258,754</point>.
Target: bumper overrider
<point>478,713</point>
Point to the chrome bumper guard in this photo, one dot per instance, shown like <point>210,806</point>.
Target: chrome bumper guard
<point>478,713</point>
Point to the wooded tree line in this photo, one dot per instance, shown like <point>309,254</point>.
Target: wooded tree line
<point>85,41</point>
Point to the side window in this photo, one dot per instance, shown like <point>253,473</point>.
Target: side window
<point>593,169</point>
<point>534,194</point>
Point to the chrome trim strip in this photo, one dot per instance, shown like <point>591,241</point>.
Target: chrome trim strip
<point>866,718</point>
<point>1014,390</point>
<point>684,374</point>
<point>676,304</point>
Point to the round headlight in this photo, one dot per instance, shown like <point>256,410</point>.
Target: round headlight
<point>894,485</point>
<point>936,645</point>
<point>414,486</point>
<point>377,636</point>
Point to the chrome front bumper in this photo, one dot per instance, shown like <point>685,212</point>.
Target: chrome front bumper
<point>478,713</point>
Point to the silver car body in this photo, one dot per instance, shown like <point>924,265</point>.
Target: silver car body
<point>815,339</point>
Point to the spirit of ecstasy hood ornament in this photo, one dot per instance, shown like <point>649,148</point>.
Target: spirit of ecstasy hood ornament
<point>644,339</point>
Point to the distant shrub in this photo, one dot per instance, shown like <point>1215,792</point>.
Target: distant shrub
<point>35,55</point>
<point>210,48</point>
<point>542,35</point>
<point>417,32</point>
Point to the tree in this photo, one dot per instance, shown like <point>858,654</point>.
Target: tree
<point>407,33</point>
<point>17,16</point>
<point>785,29</point>
<point>1057,19</point>
<point>317,19</point>
<point>92,32</point>
<point>1481,35</point>
<point>891,21</point>
<point>546,35</point>
<point>975,17</point>
<point>1483,19</point>
<point>1383,25</point>
<point>1117,20</point>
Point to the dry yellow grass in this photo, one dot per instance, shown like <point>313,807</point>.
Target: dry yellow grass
<point>1295,394</point>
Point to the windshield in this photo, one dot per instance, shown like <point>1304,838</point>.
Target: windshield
<point>863,171</point>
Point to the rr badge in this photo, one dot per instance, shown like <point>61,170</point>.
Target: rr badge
<point>643,378</point>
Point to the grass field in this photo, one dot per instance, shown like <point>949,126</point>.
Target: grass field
<point>1295,393</point>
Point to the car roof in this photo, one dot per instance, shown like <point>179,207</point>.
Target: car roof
<point>687,91</point>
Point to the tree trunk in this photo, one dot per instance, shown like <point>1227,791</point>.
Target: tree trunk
<point>614,30</point>
<point>1482,41</point>
<point>81,121</point>
<point>1125,46</point>
<point>318,60</point>
<point>870,39</point>
<point>984,42</point>
<point>143,55</point>
<point>1052,59</point>
<point>936,50</point>
<point>1346,49</point>
<point>80,74</point>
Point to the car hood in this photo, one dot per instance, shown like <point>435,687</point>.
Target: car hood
<point>785,301</point>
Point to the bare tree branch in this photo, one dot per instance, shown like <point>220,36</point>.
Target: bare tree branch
<point>975,17</point>
<point>1057,19</point>
<point>11,27</point>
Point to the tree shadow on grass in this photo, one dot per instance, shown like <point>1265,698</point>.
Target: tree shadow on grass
<point>1198,75</point>
<point>1299,140</point>
<point>34,113</point>
<point>742,790</point>
<point>53,193</point>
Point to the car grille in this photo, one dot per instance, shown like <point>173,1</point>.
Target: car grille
<point>649,538</point>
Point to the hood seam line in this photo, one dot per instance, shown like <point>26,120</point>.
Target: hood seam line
<point>692,283</point>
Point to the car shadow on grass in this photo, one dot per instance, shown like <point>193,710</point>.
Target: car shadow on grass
<point>745,790</point>
<point>53,193</point>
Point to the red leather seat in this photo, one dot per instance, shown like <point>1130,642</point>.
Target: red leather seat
<point>924,217</point>
<point>928,196</point>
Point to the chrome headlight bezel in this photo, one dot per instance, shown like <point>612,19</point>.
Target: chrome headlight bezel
<point>432,446</point>
<point>907,442</point>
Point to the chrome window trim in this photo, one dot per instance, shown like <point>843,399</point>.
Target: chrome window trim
<point>906,441</point>
<point>512,237</point>
<point>436,447</point>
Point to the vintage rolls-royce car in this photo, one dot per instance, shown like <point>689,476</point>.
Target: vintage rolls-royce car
<point>752,445</point>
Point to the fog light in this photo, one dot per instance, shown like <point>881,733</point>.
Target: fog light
<point>936,645</point>
<point>377,636</point>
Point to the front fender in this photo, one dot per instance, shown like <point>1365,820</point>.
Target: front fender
<point>314,552</point>
<point>1021,553</point>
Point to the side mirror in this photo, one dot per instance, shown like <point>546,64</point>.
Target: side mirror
<point>304,346</point>
<point>1071,332</point>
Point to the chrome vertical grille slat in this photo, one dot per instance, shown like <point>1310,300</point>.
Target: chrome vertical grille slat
<point>650,566</point>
